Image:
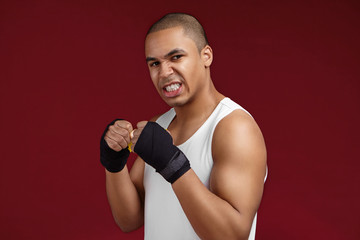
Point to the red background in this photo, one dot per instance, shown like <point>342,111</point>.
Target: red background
<point>70,67</point>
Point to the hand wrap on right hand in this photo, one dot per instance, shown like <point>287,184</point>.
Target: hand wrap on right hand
<point>155,146</point>
<point>112,160</point>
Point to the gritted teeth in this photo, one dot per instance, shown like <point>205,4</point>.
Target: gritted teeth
<point>172,87</point>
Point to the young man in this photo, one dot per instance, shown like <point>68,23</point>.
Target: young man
<point>204,177</point>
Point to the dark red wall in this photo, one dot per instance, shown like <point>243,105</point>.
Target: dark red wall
<point>67,68</point>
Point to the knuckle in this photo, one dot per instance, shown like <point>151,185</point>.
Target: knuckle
<point>118,121</point>
<point>128,125</point>
<point>109,134</point>
<point>141,124</point>
<point>121,123</point>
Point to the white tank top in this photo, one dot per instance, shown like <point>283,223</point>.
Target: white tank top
<point>164,217</point>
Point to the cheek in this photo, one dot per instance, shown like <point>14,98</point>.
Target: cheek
<point>192,71</point>
<point>153,76</point>
<point>189,69</point>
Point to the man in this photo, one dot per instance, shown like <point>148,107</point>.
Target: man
<point>204,177</point>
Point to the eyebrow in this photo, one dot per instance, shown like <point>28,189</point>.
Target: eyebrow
<point>172,52</point>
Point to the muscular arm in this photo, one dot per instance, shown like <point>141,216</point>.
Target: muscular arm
<point>125,194</point>
<point>124,190</point>
<point>226,211</point>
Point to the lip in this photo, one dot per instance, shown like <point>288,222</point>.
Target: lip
<point>170,83</point>
<point>172,94</point>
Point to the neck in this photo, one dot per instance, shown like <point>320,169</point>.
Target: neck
<point>199,108</point>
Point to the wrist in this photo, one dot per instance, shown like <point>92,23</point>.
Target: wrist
<point>155,146</point>
<point>113,161</point>
<point>177,166</point>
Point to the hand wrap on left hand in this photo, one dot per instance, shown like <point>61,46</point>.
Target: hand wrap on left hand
<point>155,146</point>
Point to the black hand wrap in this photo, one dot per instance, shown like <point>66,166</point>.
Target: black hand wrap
<point>112,160</point>
<point>155,146</point>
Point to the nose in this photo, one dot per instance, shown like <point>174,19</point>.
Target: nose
<point>165,70</point>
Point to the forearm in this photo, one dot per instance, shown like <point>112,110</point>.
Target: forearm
<point>210,216</point>
<point>124,200</point>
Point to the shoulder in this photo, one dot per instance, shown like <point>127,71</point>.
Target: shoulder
<point>237,137</point>
<point>165,118</point>
<point>238,124</point>
<point>154,118</point>
<point>159,116</point>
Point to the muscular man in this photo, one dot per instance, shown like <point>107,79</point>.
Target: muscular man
<point>204,177</point>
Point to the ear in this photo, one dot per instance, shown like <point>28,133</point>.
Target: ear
<point>207,56</point>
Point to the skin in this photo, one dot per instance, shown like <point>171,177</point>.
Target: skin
<point>238,148</point>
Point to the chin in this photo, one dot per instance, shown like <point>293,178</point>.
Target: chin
<point>175,102</point>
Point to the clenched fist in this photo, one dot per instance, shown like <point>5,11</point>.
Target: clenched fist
<point>156,147</point>
<point>114,142</point>
<point>118,135</point>
<point>134,135</point>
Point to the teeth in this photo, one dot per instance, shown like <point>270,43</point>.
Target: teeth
<point>172,87</point>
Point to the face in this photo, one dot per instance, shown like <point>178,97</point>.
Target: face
<point>176,68</point>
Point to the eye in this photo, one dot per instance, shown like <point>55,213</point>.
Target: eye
<point>176,57</point>
<point>154,64</point>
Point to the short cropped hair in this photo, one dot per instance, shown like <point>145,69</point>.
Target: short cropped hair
<point>191,27</point>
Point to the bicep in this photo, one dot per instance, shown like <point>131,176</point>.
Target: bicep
<point>239,164</point>
<point>241,188</point>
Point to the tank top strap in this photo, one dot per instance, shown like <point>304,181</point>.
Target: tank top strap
<point>165,119</point>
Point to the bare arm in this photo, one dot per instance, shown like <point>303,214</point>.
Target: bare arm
<point>124,190</point>
<point>226,211</point>
<point>125,194</point>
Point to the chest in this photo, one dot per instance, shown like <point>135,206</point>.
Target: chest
<point>197,148</point>
<point>182,132</point>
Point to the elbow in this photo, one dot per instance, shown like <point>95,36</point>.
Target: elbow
<point>127,229</point>
<point>242,236</point>
<point>232,232</point>
<point>128,226</point>
<point>241,233</point>
<point>238,235</point>
<point>124,228</point>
